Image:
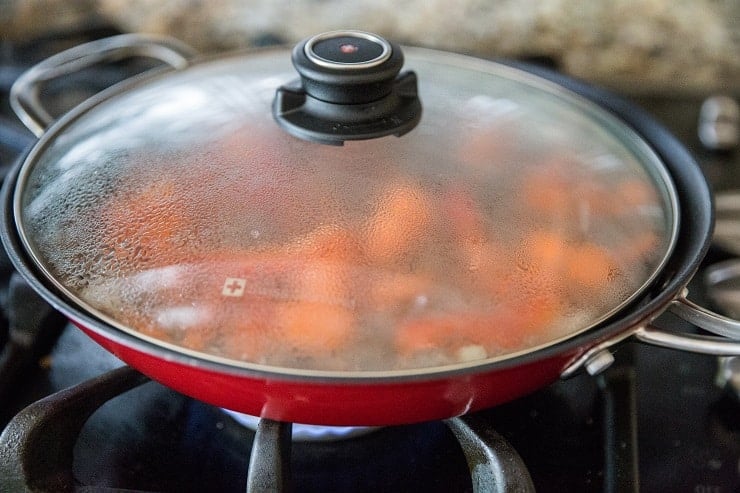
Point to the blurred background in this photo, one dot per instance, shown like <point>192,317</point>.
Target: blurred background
<point>634,46</point>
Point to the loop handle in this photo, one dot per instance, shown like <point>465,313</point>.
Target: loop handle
<point>24,95</point>
<point>727,345</point>
<point>705,318</point>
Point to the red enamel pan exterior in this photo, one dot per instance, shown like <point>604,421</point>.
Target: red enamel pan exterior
<point>344,403</point>
<point>406,397</point>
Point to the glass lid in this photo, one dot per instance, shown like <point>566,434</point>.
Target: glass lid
<point>509,215</point>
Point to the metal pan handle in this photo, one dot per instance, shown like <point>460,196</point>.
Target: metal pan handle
<point>717,346</point>
<point>599,357</point>
<point>722,281</point>
<point>723,288</point>
<point>24,95</point>
<point>705,318</point>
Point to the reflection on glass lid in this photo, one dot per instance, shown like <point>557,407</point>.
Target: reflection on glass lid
<point>512,217</point>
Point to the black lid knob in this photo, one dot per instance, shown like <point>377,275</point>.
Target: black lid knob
<point>347,67</point>
<point>350,89</point>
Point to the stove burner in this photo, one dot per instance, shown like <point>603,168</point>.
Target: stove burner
<point>37,446</point>
<point>308,433</point>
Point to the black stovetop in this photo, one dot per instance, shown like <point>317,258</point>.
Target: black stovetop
<point>653,422</point>
<point>687,434</point>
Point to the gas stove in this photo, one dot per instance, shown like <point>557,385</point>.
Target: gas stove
<point>655,421</point>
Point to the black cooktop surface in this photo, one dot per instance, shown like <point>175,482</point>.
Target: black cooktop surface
<point>653,422</point>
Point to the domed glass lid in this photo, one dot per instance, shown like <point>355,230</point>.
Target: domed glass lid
<point>509,216</point>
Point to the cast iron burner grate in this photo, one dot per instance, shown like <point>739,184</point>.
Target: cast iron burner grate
<point>37,447</point>
<point>577,435</point>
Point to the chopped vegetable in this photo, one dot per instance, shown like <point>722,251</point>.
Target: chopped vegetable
<point>399,224</point>
<point>409,274</point>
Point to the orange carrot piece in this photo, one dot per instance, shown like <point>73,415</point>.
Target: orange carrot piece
<point>548,191</point>
<point>428,334</point>
<point>403,216</point>
<point>466,220</point>
<point>331,242</point>
<point>313,327</point>
<point>545,250</point>
<point>320,317</point>
<point>197,338</point>
<point>145,224</point>
<point>590,265</point>
<point>499,331</point>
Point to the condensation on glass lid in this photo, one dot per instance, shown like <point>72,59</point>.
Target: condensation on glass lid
<point>505,234</point>
<point>313,272</point>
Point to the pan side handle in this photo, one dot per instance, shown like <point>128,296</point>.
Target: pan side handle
<point>599,357</point>
<point>717,346</point>
<point>706,319</point>
<point>24,94</point>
